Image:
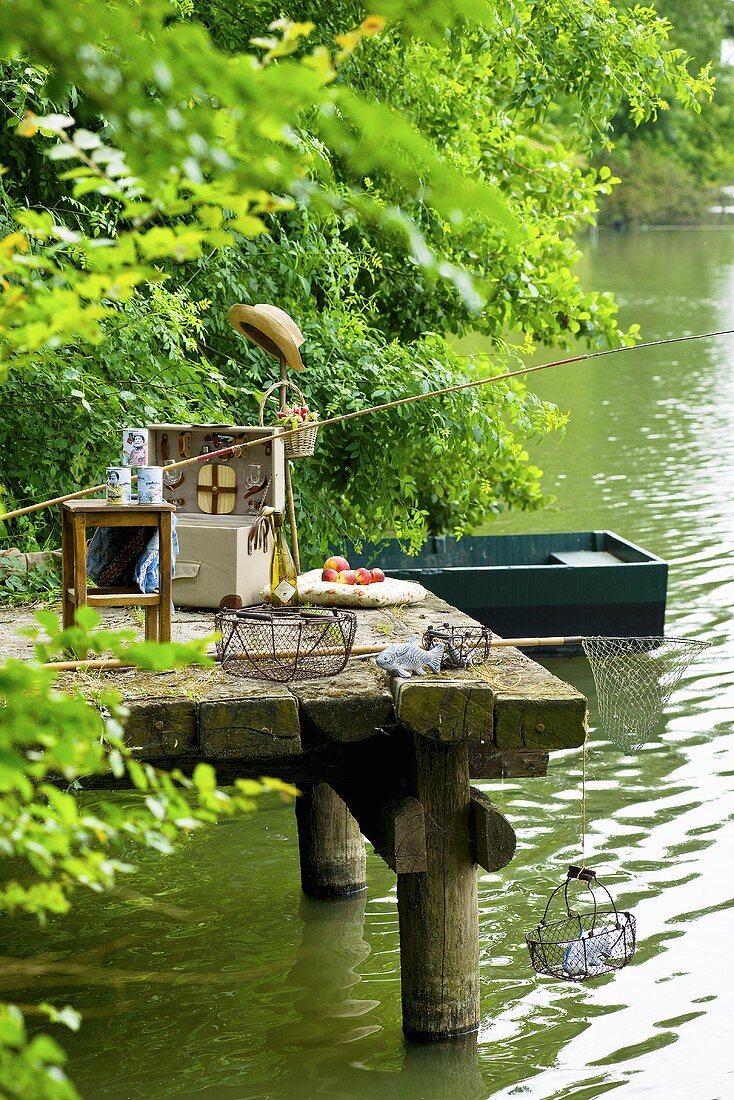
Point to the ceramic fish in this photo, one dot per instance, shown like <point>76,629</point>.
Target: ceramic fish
<point>591,952</point>
<point>407,657</point>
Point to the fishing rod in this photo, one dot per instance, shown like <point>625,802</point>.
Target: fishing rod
<point>103,664</point>
<point>237,448</point>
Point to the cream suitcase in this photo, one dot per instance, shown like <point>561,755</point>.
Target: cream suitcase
<point>213,562</point>
<point>216,505</point>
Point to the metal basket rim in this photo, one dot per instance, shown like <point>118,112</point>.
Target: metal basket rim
<point>629,922</point>
<point>285,614</point>
<point>251,642</point>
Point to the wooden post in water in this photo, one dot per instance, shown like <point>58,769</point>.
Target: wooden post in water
<point>439,925</point>
<point>330,845</point>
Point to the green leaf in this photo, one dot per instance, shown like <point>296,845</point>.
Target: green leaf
<point>204,777</point>
<point>67,1015</point>
<point>87,617</point>
<point>49,620</point>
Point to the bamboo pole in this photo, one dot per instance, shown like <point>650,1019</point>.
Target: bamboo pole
<point>328,421</point>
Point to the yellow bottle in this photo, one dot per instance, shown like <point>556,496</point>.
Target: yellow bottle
<point>283,576</point>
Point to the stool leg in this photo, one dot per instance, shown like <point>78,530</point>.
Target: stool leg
<point>80,559</point>
<point>165,570</point>
<point>151,623</point>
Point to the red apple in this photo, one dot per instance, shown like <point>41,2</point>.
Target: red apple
<point>346,576</point>
<point>362,575</point>
<point>377,576</point>
<point>340,564</point>
<point>330,575</point>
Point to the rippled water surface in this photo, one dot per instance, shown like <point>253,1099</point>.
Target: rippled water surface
<point>210,977</point>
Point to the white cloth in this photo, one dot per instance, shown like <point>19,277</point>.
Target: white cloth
<point>311,589</point>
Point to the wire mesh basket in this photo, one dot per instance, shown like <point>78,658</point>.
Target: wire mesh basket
<point>303,444</point>
<point>463,645</point>
<point>283,643</point>
<point>585,944</point>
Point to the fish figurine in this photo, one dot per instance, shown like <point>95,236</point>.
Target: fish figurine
<point>593,952</point>
<point>407,657</point>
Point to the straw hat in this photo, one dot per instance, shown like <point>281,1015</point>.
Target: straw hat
<point>271,329</point>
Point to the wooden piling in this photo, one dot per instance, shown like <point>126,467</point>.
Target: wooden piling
<point>439,926</point>
<point>330,845</point>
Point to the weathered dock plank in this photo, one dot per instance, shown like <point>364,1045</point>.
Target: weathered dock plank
<point>252,725</point>
<point>165,729</point>
<point>446,709</point>
<point>350,707</point>
<point>512,711</point>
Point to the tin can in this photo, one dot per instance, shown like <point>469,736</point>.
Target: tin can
<point>150,485</point>
<point>118,480</point>
<point>135,446</point>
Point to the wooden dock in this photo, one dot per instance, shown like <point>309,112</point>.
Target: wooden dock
<point>375,757</point>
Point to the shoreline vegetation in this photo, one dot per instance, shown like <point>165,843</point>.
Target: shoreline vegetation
<point>663,195</point>
<point>677,168</point>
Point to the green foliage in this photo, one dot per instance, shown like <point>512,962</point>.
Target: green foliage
<point>51,844</point>
<point>21,584</point>
<point>31,1067</point>
<point>657,190</point>
<point>670,166</point>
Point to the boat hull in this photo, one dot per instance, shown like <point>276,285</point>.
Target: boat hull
<point>578,583</point>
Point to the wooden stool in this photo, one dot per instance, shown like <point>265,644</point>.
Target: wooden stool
<point>80,514</point>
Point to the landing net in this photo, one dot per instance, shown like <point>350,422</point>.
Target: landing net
<point>634,679</point>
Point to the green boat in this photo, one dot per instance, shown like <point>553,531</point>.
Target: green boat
<point>581,583</point>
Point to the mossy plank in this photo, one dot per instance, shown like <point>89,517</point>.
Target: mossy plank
<point>540,722</point>
<point>446,710</point>
<point>254,727</point>
<point>352,706</point>
<point>163,729</point>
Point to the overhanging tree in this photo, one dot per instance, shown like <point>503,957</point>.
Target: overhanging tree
<point>391,177</point>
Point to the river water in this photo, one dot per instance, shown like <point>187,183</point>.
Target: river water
<point>209,976</point>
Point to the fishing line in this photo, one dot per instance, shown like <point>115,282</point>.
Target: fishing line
<point>237,449</point>
<point>584,750</point>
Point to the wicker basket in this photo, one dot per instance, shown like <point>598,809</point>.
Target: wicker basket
<point>464,646</point>
<point>301,445</point>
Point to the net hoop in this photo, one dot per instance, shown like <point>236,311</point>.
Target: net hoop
<point>634,679</point>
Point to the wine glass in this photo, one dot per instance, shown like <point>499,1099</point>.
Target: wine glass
<point>173,479</point>
<point>253,482</point>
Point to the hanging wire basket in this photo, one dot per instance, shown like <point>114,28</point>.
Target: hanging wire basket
<point>283,643</point>
<point>301,445</point>
<point>585,944</point>
<point>464,646</point>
